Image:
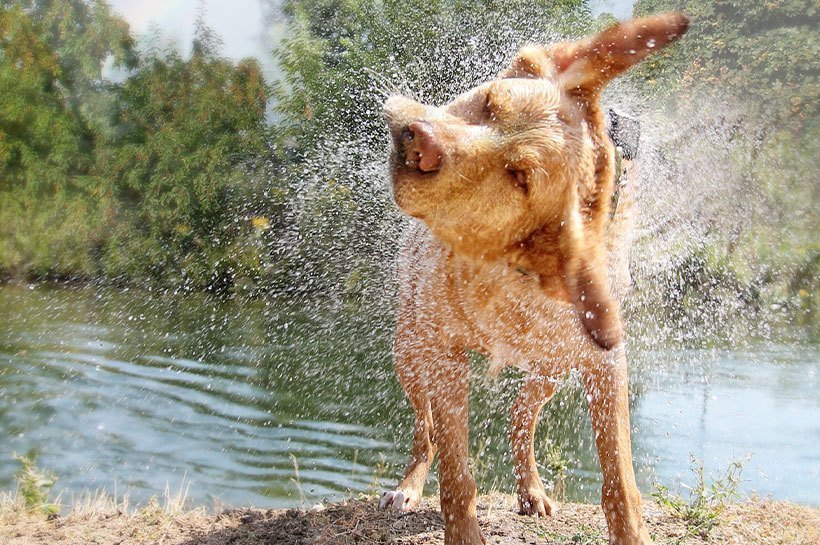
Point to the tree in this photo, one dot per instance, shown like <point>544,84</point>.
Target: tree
<point>744,81</point>
<point>764,52</point>
<point>47,132</point>
<point>185,135</point>
<point>142,179</point>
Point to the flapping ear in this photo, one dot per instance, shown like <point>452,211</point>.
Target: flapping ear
<point>588,65</point>
<point>599,311</point>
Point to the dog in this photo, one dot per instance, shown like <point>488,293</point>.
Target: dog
<point>513,257</point>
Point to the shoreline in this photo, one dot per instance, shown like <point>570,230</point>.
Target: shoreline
<point>359,521</point>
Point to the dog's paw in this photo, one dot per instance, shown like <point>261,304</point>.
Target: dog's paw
<point>535,502</point>
<point>398,500</point>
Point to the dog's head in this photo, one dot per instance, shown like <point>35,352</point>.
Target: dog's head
<point>522,163</point>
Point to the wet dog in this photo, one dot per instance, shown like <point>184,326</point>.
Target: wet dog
<point>514,257</point>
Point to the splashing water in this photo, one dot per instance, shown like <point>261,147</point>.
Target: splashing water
<point>138,389</point>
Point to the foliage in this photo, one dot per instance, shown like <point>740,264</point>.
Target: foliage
<point>744,80</point>
<point>34,486</point>
<point>49,202</point>
<point>557,465</point>
<point>157,178</point>
<point>184,135</point>
<point>765,52</point>
<point>706,502</point>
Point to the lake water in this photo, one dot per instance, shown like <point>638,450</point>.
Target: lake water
<point>274,402</point>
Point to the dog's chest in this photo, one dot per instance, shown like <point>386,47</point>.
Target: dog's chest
<point>509,318</point>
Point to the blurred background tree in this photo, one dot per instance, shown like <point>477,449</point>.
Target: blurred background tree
<point>131,181</point>
<point>745,84</point>
<point>183,134</point>
<point>50,95</point>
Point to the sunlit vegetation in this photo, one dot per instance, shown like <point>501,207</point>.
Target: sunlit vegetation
<point>197,173</point>
<point>135,181</point>
<point>34,499</point>
<point>707,499</point>
<point>746,78</point>
<point>33,494</point>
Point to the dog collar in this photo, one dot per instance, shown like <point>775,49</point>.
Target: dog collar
<point>619,182</point>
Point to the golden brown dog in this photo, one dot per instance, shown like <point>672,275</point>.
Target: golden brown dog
<point>512,182</point>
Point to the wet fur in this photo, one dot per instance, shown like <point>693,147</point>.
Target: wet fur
<point>510,258</point>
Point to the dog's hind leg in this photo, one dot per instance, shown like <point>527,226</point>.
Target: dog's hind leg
<point>535,392</point>
<point>410,362</point>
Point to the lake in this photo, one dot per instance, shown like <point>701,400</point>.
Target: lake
<point>279,401</point>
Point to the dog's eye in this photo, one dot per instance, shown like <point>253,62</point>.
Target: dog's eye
<point>492,106</point>
<point>489,107</point>
<point>519,178</point>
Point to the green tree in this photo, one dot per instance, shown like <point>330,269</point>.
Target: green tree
<point>186,135</point>
<point>745,80</point>
<point>158,177</point>
<point>49,205</point>
<point>766,52</point>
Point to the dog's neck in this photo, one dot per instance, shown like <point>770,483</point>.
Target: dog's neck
<point>543,255</point>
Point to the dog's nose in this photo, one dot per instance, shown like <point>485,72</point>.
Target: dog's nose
<point>422,148</point>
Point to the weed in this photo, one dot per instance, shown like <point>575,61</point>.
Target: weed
<point>297,479</point>
<point>174,502</point>
<point>34,486</point>
<point>701,512</point>
<point>557,465</point>
<point>382,468</point>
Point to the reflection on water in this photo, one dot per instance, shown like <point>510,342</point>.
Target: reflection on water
<point>135,390</point>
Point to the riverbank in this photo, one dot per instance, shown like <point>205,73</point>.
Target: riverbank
<point>360,521</point>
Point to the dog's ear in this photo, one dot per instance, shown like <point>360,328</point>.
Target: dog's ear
<point>588,65</point>
<point>599,311</point>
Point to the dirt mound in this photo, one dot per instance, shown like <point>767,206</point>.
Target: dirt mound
<point>361,522</point>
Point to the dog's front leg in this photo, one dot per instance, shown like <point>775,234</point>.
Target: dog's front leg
<point>412,358</point>
<point>450,386</point>
<point>605,379</point>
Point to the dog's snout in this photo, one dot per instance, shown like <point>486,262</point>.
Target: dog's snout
<point>421,147</point>
<point>418,145</point>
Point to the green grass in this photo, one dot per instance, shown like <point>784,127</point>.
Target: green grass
<point>34,486</point>
<point>557,465</point>
<point>701,511</point>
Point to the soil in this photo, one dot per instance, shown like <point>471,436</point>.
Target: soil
<point>361,522</point>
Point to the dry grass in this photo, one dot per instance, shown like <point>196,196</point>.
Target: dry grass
<point>99,519</point>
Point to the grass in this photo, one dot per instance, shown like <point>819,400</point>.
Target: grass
<point>379,475</point>
<point>34,487</point>
<point>557,465</point>
<point>296,480</point>
<point>33,497</point>
<point>706,502</point>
